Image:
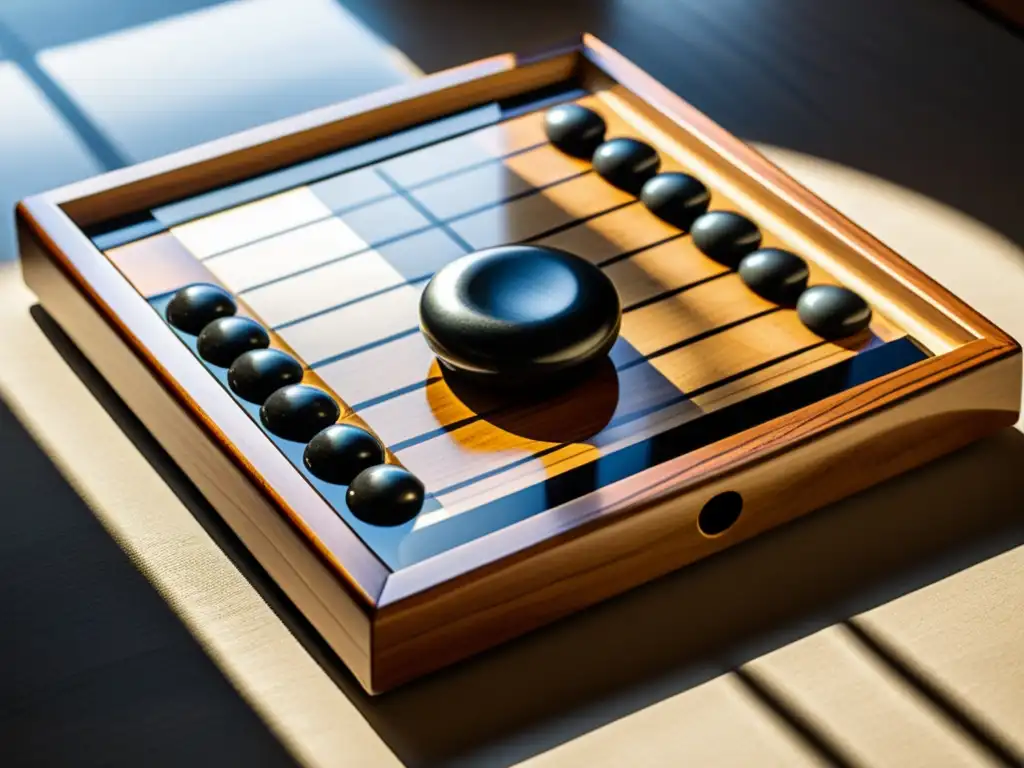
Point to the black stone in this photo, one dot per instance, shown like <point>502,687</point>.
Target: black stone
<point>256,375</point>
<point>676,198</point>
<point>192,308</point>
<point>223,340</point>
<point>774,274</point>
<point>575,130</point>
<point>725,236</point>
<point>626,163</point>
<point>833,312</point>
<point>297,412</point>
<point>340,452</point>
<point>519,313</point>
<point>385,495</point>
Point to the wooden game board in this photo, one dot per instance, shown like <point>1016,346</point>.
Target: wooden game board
<point>718,414</point>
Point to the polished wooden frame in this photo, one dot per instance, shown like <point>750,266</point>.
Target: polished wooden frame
<point>389,627</point>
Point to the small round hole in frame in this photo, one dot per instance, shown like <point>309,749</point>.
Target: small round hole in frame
<point>719,514</point>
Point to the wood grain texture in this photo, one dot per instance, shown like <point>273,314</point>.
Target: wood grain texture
<point>963,637</point>
<point>718,723</point>
<point>868,713</point>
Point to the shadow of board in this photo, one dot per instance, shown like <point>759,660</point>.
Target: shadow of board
<point>675,633</point>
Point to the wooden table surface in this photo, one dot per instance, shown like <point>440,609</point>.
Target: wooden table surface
<point>887,630</point>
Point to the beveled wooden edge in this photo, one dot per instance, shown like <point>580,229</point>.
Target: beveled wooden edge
<point>759,168</point>
<point>282,550</point>
<point>190,383</point>
<point>293,140</point>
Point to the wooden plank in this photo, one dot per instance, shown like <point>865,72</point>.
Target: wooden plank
<point>494,182</point>
<point>405,362</point>
<point>716,724</point>
<point>306,136</point>
<point>158,264</point>
<point>612,234</point>
<point>868,713</point>
<point>964,636</point>
<point>247,223</point>
<point>532,216</point>
<point>422,165</point>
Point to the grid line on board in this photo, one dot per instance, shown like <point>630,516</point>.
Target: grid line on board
<point>437,224</point>
<point>365,347</point>
<point>554,230</point>
<point>422,209</point>
<point>423,383</point>
<point>670,292</point>
<point>627,418</point>
<point>485,414</point>
<point>417,279</point>
<point>364,297</point>
<point>361,252</point>
<point>333,214</point>
<point>339,162</point>
<point>396,192</point>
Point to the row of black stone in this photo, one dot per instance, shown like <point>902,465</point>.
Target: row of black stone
<point>777,275</point>
<point>341,454</point>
